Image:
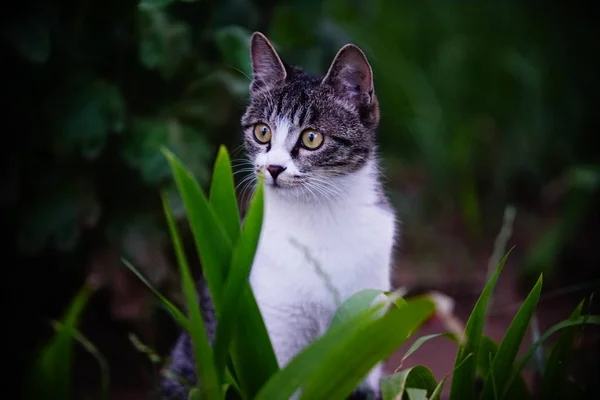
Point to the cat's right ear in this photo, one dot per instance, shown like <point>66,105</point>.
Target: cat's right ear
<point>267,66</point>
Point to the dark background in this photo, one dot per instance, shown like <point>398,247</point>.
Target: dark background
<point>484,104</point>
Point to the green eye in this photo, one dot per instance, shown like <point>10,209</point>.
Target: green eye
<point>311,139</point>
<point>262,132</point>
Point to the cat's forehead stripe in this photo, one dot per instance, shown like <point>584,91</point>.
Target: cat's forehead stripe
<point>282,131</point>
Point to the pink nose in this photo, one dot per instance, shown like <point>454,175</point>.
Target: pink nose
<point>275,170</point>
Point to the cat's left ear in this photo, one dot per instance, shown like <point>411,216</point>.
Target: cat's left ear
<point>351,75</point>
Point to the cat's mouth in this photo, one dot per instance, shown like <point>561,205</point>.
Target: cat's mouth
<point>281,182</point>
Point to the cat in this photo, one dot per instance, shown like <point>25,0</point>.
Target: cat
<point>328,229</point>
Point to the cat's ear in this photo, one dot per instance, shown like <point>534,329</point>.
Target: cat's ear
<point>267,66</point>
<point>351,76</point>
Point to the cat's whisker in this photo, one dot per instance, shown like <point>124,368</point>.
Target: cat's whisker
<point>323,190</point>
<point>248,188</point>
<point>243,183</point>
<point>242,170</point>
<point>241,72</point>
<point>308,188</point>
<point>235,152</point>
<point>240,161</point>
<point>330,187</point>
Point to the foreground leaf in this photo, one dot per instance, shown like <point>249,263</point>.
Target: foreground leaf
<point>420,341</point>
<point>463,380</point>
<point>180,318</point>
<point>335,364</point>
<point>251,341</point>
<point>487,352</point>
<point>94,352</point>
<point>586,320</point>
<point>554,376</point>
<point>356,304</point>
<point>507,351</point>
<point>213,245</point>
<point>241,264</point>
<point>52,371</point>
<point>416,394</point>
<point>437,392</point>
<point>222,196</point>
<point>205,368</point>
<point>394,386</point>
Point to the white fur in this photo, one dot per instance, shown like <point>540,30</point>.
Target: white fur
<point>346,233</point>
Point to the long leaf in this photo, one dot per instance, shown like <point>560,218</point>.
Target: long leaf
<point>420,341</point>
<point>180,318</point>
<point>555,374</point>
<point>52,371</point>
<point>416,394</point>
<point>463,381</point>
<point>222,198</point>
<point>251,341</point>
<point>354,305</point>
<point>94,352</point>
<point>509,347</point>
<point>487,351</point>
<point>208,380</point>
<point>394,387</point>
<point>241,264</point>
<point>437,392</point>
<point>333,365</point>
<point>585,320</point>
<point>212,242</point>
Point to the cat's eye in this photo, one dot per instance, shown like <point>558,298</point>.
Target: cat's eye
<point>262,132</point>
<point>311,139</point>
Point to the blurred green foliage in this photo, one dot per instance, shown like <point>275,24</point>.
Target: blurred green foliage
<point>484,98</point>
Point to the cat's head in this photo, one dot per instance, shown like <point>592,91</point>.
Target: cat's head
<point>302,133</point>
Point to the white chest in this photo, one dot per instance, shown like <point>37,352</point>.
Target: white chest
<point>321,254</point>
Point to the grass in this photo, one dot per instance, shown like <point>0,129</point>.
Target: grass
<point>367,329</point>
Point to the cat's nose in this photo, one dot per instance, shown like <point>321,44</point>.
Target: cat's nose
<point>275,170</point>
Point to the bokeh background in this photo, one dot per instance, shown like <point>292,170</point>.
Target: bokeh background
<point>484,105</point>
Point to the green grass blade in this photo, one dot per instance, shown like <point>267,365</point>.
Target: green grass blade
<point>437,392</point>
<point>494,389</point>
<point>93,350</point>
<point>463,380</point>
<point>420,341</point>
<point>585,320</point>
<point>487,351</point>
<point>333,365</point>
<point>212,242</point>
<point>416,394</point>
<point>209,384</point>
<point>418,377</point>
<point>356,304</point>
<point>222,196</point>
<point>509,347</point>
<point>195,394</point>
<point>231,382</point>
<point>250,341</point>
<point>555,374</point>
<point>51,377</point>
<point>241,264</point>
<point>179,317</point>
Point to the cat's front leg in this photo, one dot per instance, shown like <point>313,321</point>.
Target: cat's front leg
<point>288,330</point>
